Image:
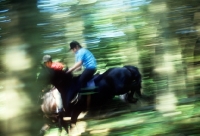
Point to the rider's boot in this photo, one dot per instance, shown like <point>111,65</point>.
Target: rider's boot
<point>88,102</point>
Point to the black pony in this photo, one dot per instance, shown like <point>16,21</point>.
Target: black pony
<point>115,81</point>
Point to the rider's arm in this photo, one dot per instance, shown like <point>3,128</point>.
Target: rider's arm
<point>76,65</point>
<point>78,69</point>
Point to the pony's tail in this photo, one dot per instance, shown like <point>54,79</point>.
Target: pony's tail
<point>137,77</point>
<point>135,73</point>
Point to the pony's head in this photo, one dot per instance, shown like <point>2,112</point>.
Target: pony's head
<point>55,77</point>
<point>44,77</point>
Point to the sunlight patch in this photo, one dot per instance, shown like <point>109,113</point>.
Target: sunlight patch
<point>16,59</point>
<point>13,100</point>
<point>166,102</point>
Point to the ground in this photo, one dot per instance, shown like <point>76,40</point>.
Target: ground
<point>141,119</point>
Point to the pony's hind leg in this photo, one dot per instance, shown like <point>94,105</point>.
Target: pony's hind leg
<point>129,97</point>
<point>134,94</point>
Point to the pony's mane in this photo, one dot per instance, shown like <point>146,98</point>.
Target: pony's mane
<point>51,101</point>
<point>57,78</point>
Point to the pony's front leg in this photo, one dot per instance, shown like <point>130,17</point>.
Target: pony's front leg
<point>62,122</point>
<point>74,116</point>
<point>73,131</point>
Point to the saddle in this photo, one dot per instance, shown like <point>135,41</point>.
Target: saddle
<point>90,87</point>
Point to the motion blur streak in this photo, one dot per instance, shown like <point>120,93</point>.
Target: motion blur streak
<point>161,38</point>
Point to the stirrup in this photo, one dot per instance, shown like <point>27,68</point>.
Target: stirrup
<point>88,90</point>
<point>75,99</point>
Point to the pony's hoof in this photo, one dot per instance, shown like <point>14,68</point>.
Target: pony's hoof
<point>44,130</point>
<point>41,133</point>
<point>73,131</point>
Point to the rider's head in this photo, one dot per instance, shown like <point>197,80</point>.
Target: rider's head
<point>47,60</point>
<point>75,46</point>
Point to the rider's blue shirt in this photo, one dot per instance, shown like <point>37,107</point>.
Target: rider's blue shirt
<point>87,58</point>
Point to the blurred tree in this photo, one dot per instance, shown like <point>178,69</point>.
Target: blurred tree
<point>22,43</point>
